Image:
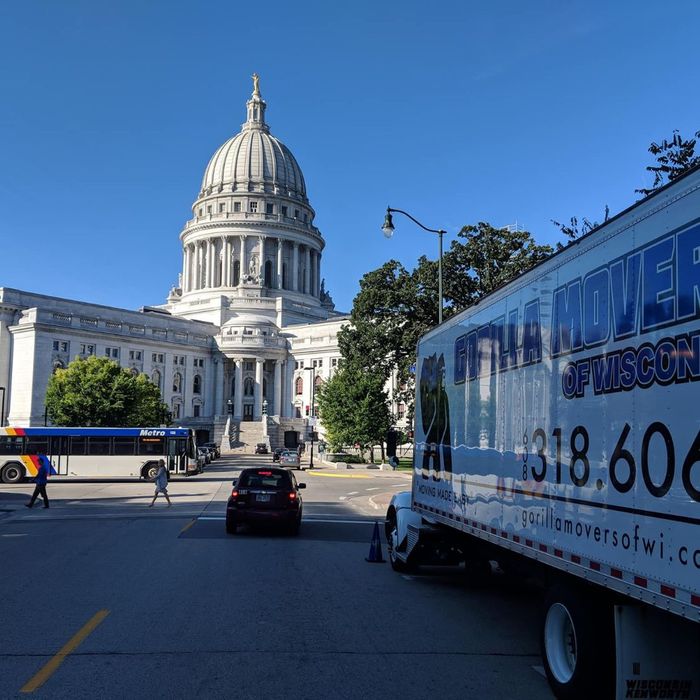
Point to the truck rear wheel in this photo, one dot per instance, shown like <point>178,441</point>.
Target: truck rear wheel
<point>578,644</point>
<point>392,543</point>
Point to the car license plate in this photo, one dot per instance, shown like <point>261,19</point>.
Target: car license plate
<point>262,497</point>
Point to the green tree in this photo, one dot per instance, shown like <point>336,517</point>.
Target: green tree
<point>353,406</point>
<point>673,158</point>
<point>97,392</point>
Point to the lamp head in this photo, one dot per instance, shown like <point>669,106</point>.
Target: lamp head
<point>388,225</point>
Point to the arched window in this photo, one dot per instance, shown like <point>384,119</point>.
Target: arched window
<point>299,386</point>
<point>177,383</point>
<point>155,378</point>
<point>197,384</point>
<point>268,273</point>
<point>236,272</point>
<point>248,386</point>
<point>318,381</point>
<point>285,284</point>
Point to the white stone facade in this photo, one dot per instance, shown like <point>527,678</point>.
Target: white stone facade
<point>246,321</point>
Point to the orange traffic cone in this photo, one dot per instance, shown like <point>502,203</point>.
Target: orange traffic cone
<point>375,547</point>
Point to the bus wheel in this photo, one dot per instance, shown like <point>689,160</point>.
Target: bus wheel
<point>150,471</point>
<point>12,473</point>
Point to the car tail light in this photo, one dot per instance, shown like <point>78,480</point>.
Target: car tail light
<point>234,493</point>
<point>292,495</point>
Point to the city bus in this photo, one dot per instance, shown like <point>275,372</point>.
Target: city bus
<point>96,452</point>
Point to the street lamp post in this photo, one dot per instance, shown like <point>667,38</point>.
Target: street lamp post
<point>388,230</point>
<point>313,414</point>
<point>229,407</point>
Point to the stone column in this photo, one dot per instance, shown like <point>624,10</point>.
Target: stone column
<point>218,385</point>
<point>261,271</point>
<point>244,260</point>
<point>238,398</point>
<point>185,267</point>
<point>227,262</point>
<point>277,409</point>
<point>257,393</point>
<point>318,274</point>
<point>210,263</point>
<point>295,269</point>
<point>289,388</point>
<point>280,248</point>
<point>307,272</point>
<point>198,265</point>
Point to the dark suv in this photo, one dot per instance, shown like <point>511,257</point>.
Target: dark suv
<point>215,449</point>
<point>265,495</point>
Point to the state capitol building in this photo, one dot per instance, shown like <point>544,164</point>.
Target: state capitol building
<point>245,332</point>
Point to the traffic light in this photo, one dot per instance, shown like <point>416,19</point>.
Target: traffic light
<point>307,411</point>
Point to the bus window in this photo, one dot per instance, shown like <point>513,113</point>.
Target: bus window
<point>151,446</point>
<point>98,446</point>
<point>11,445</point>
<point>124,446</point>
<point>59,445</point>
<point>37,445</point>
<point>78,445</point>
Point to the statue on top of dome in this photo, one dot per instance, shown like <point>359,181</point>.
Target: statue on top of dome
<point>256,85</point>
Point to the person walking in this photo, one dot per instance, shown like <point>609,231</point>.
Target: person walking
<point>41,478</point>
<point>161,483</point>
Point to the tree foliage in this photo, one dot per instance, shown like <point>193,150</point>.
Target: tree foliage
<point>575,229</point>
<point>97,392</point>
<point>354,408</point>
<point>673,158</point>
<point>395,306</point>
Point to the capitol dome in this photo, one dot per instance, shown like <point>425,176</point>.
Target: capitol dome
<point>254,161</point>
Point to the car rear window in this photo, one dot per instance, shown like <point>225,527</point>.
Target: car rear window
<point>265,479</point>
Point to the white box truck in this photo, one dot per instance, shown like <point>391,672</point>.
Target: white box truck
<point>557,431</point>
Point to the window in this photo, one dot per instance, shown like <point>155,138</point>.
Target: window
<point>253,207</point>
<point>78,445</point>
<point>296,213</point>
<point>135,355</point>
<point>222,208</point>
<point>199,362</point>
<point>269,208</point>
<point>177,383</point>
<point>158,357</point>
<point>318,381</point>
<point>334,362</point>
<point>250,366</point>
<point>306,218</point>
<point>197,384</point>
<point>201,211</point>
<point>37,445</point>
<point>299,386</point>
<point>112,352</point>
<point>124,446</point>
<point>284,211</point>
<point>151,446</point>
<point>209,209</point>
<point>236,206</point>
<point>87,349</point>
<point>195,410</point>
<point>401,411</point>
<point>178,359</point>
<point>98,446</point>
<point>11,445</point>
<point>60,346</point>
<point>318,363</point>
<point>299,364</point>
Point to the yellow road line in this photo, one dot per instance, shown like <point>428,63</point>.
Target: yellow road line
<point>340,476</point>
<point>73,643</point>
<point>188,526</point>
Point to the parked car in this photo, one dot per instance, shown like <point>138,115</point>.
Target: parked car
<point>215,449</point>
<point>201,459</point>
<point>276,454</point>
<point>265,495</point>
<point>261,448</point>
<point>204,451</point>
<point>289,458</point>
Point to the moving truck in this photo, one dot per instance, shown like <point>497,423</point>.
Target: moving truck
<point>557,432</point>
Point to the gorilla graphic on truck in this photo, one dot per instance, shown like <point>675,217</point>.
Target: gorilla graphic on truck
<point>435,419</point>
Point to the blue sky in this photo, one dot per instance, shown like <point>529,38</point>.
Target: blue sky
<point>499,111</point>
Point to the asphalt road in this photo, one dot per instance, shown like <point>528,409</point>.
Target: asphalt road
<point>105,597</point>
